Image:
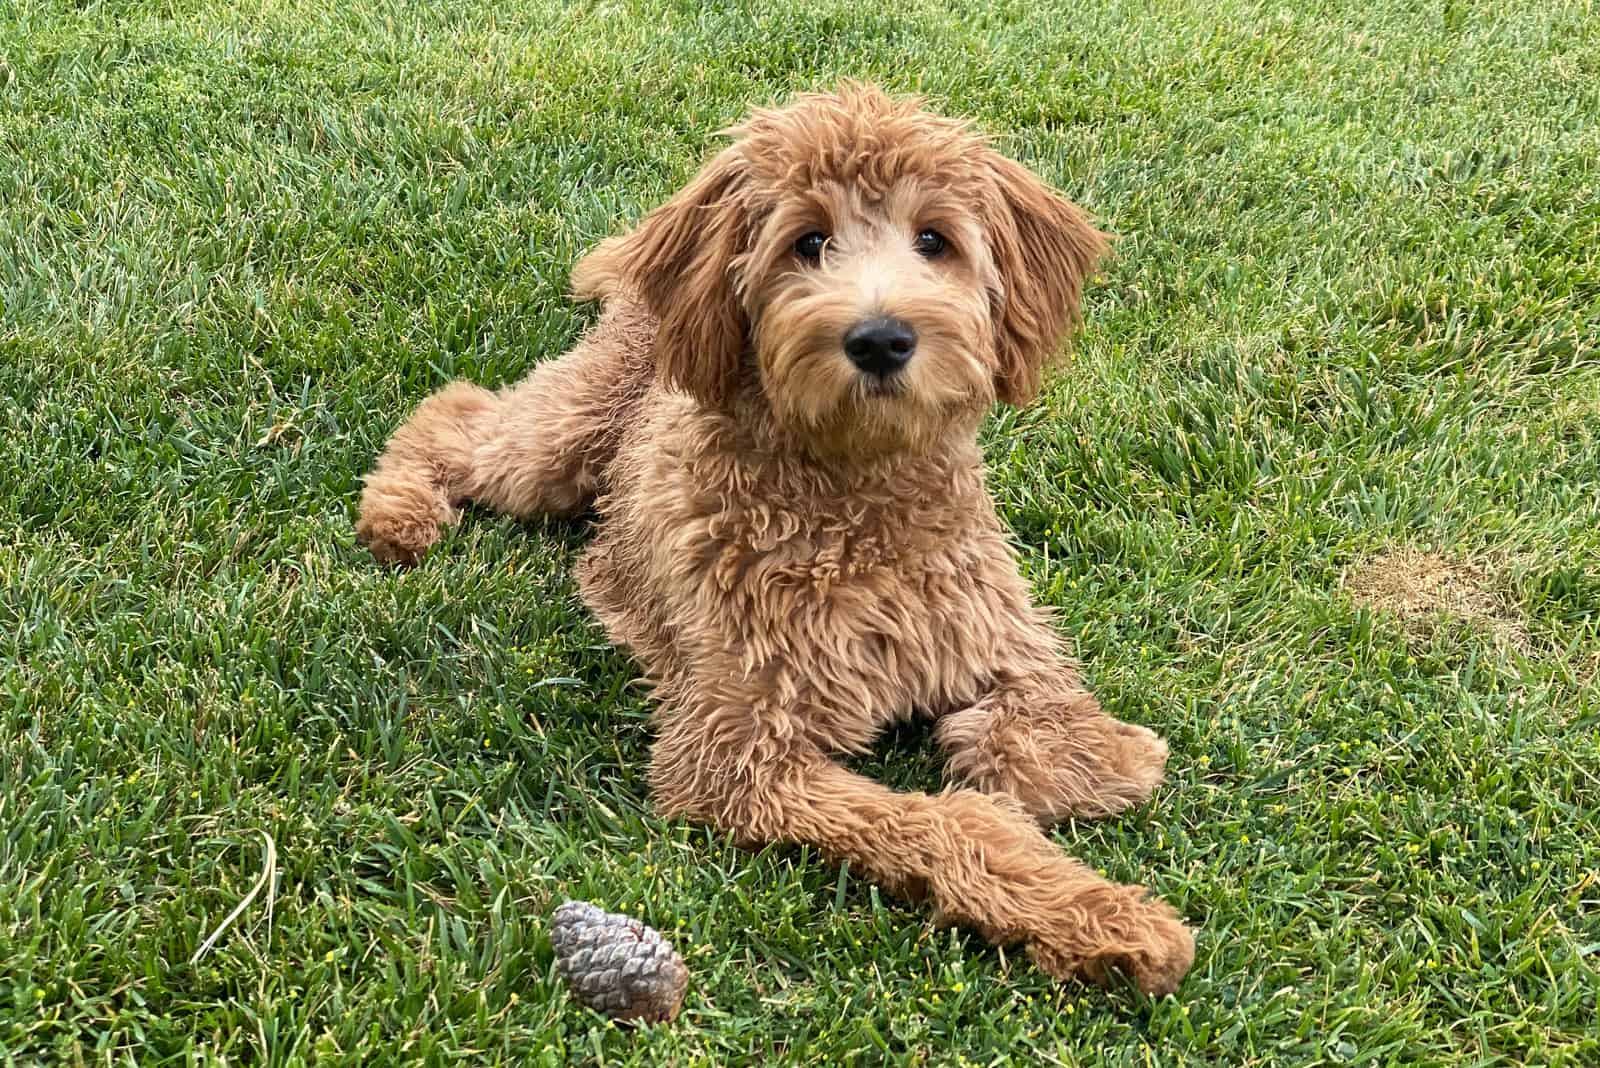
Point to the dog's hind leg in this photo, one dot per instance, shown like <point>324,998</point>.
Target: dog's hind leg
<point>1046,743</point>
<point>537,448</point>
<point>419,482</point>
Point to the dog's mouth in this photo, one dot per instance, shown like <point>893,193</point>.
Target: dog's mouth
<point>882,386</point>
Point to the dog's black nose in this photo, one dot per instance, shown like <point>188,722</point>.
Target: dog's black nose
<point>880,346</point>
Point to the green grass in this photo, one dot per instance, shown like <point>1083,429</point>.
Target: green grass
<point>1355,310</point>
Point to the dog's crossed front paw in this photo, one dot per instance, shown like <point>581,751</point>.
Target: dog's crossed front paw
<point>1143,939</point>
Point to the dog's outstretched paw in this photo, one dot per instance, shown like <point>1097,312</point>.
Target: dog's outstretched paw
<point>400,524</point>
<point>1143,939</point>
<point>391,543</point>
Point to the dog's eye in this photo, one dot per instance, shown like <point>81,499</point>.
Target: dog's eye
<point>809,246</point>
<point>929,243</point>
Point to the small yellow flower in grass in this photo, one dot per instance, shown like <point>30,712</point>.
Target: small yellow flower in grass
<point>956,988</point>
<point>1205,760</point>
<point>1244,839</point>
<point>513,999</point>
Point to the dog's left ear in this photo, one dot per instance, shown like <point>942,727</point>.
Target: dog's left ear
<point>679,261</point>
<point>1044,248</point>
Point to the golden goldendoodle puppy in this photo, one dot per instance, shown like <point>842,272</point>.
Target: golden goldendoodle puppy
<point>776,420</point>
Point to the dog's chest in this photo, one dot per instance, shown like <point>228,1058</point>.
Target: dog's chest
<point>849,602</point>
<point>869,615</point>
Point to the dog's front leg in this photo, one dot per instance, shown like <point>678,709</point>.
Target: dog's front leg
<point>1043,740</point>
<point>982,863</point>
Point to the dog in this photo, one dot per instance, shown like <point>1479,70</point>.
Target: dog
<point>775,419</point>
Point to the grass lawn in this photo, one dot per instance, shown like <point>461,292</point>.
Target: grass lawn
<point>1318,499</point>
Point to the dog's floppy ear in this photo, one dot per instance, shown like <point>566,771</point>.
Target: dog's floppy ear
<point>1043,247</point>
<point>679,262</point>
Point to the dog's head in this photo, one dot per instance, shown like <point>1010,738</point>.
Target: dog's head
<point>886,272</point>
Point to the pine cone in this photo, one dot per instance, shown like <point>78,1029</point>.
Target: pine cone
<point>616,964</point>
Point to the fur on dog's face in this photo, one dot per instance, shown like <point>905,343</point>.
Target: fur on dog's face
<point>886,273</point>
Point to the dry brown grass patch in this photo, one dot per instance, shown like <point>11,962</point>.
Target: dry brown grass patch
<point>1419,587</point>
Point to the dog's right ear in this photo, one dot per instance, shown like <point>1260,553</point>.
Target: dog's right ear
<point>679,261</point>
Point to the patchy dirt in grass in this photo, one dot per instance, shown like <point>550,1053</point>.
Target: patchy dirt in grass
<point>1418,587</point>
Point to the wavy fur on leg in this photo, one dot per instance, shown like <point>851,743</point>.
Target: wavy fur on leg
<point>539,447</point>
